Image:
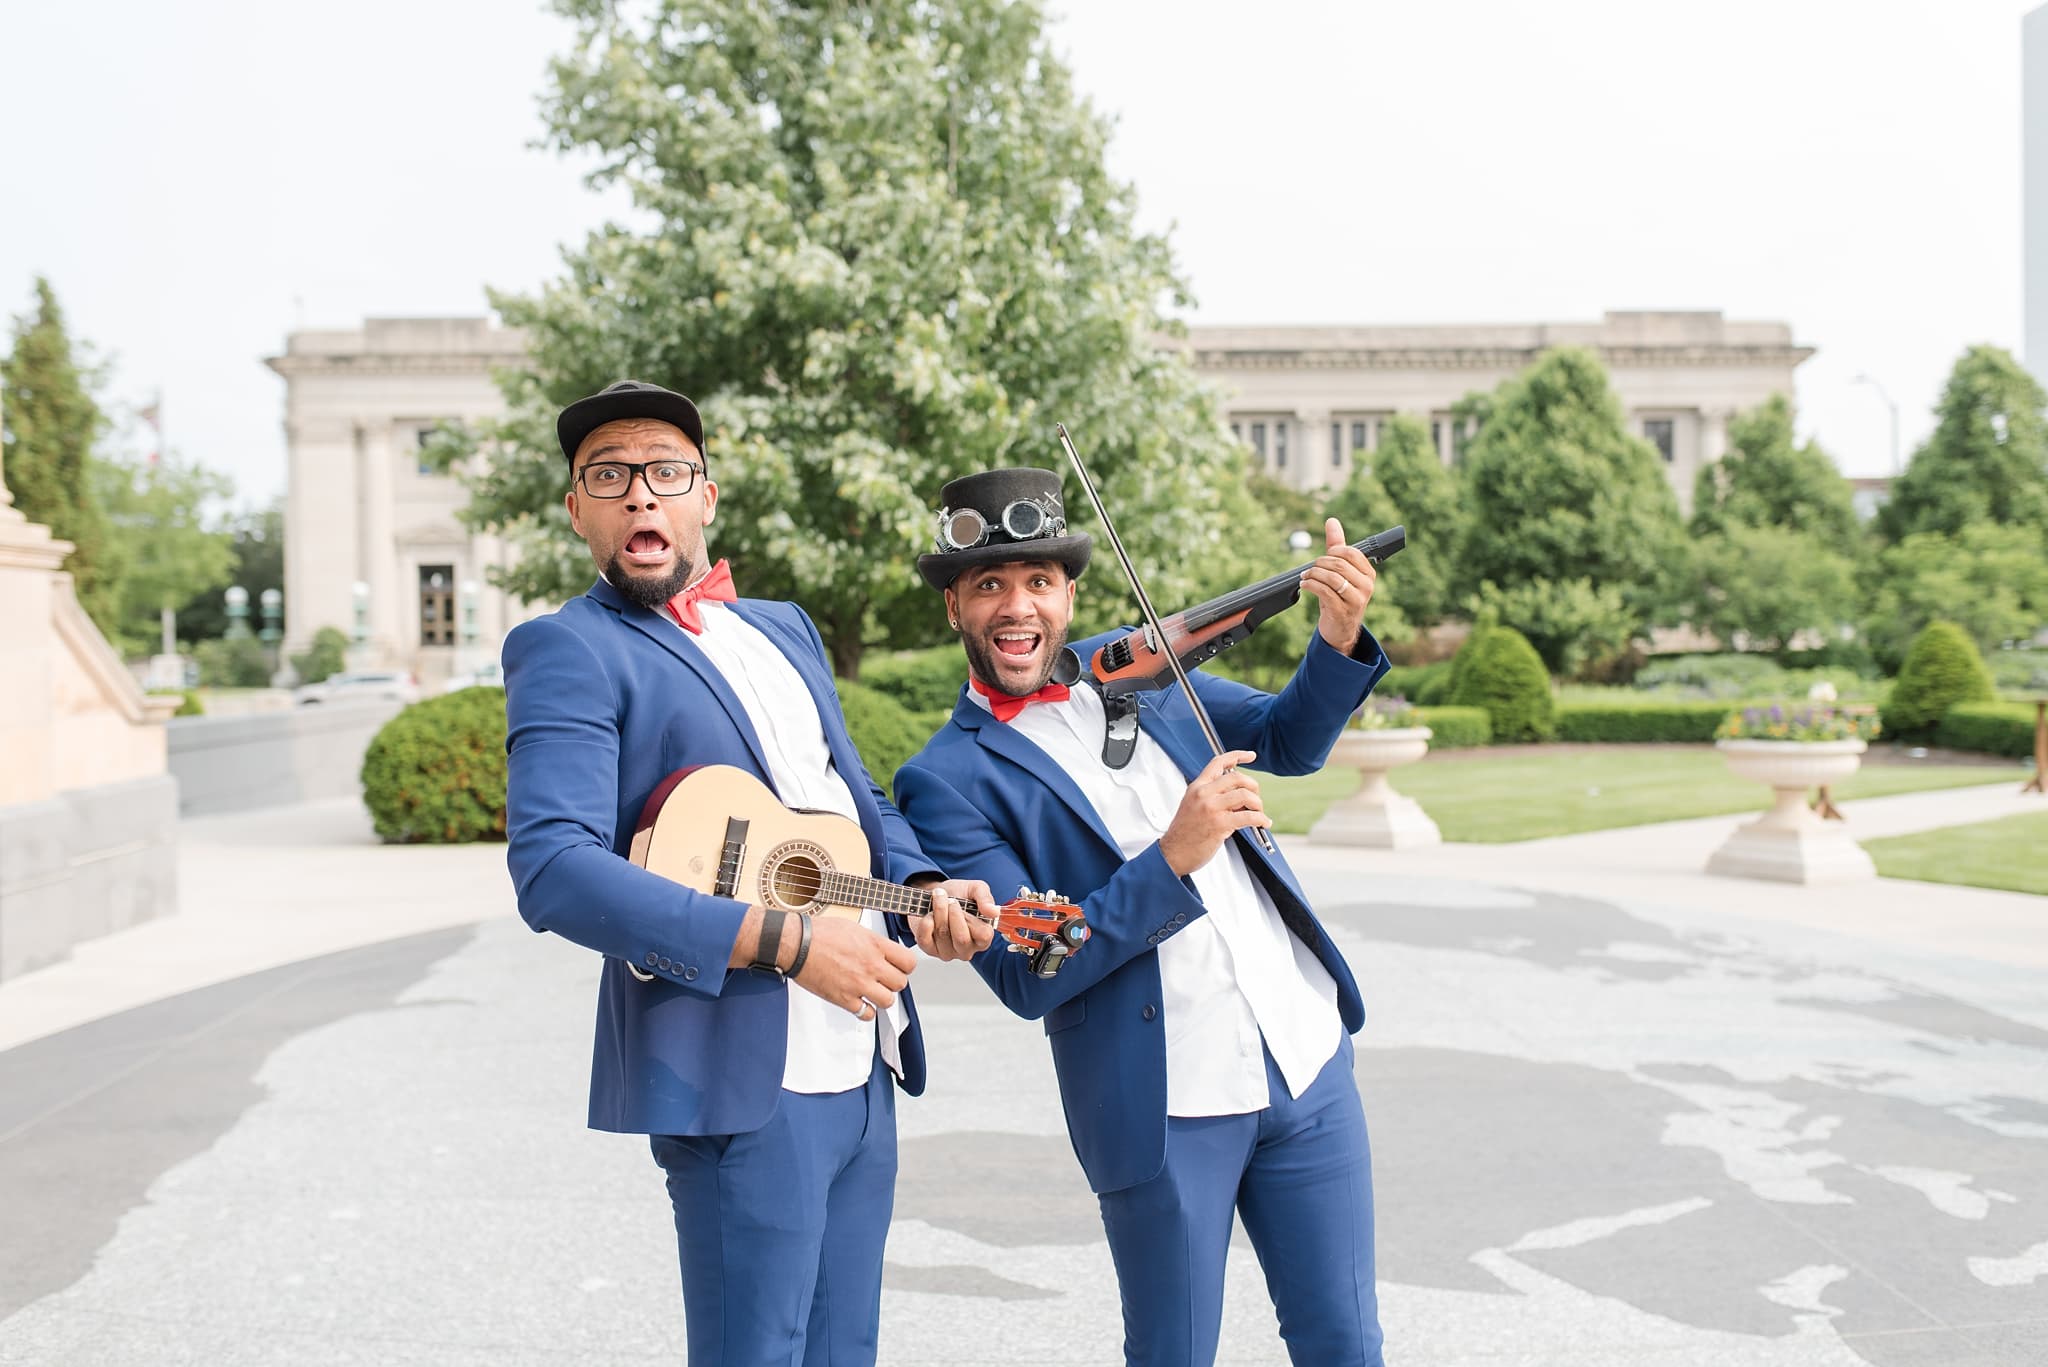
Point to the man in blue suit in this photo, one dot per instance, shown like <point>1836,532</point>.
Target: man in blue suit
<point>770,1110</point>
<point>1202,1037</point>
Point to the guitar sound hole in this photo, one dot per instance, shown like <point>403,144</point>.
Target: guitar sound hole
<point>793,877</point>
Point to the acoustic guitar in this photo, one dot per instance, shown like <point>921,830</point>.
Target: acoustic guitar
<point>720,830</point>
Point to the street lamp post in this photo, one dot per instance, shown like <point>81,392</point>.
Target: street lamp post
<point>1871,380</point>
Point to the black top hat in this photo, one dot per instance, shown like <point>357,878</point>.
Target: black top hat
<point>626,399</point>
<point>1001,516</point>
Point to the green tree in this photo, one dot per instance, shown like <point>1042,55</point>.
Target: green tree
<point>52,424</point>
<point>1942,669</point>
<point>878,244</point>
<point>1573,625</point>
<point>1769,480</point>
<point>1987,460</point>
<point>1990,581</point>
<point>1559,490</point>
<point>1407,483</point>
<point>1770,583</point>
<point>167,541</point>
<point>258,544</point>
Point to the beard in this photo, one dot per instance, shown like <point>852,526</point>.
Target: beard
<point>652,592</point>
<point>982,656</point>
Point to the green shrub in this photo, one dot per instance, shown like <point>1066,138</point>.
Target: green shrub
<point>1712,676</point>
<point>1424,685</point>
<point>239,662</point>
<point>435,773</point>
<point>188,702</point>
<point>328,654</point>
<point>1996,728</point>
<point>921,680</point>
<point>1499,670</point>
<point>1629,721</point>
<point>884,731</point>
<point>1455,728</point>
<point>1942,669</point>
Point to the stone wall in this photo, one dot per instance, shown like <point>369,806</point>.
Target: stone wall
<point>84,863</point>
<point>237,764</point>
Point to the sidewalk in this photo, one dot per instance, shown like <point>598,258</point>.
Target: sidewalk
<point>1623,1114</point>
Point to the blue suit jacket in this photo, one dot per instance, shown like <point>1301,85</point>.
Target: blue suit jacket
<point>605,699</point>
<point>989,804</point>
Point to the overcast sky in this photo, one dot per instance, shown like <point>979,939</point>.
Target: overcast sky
<point>200,178</point>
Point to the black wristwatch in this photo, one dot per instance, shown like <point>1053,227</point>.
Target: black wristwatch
<point>770,944</point>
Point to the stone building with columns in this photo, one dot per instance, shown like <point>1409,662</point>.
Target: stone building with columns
<point>1311,401</point>
<point>373,544</point>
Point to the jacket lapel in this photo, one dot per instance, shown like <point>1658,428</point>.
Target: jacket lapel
<point>1004,741</point>
<point>677,642</point>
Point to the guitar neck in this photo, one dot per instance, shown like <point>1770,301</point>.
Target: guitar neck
<point>850,890</point>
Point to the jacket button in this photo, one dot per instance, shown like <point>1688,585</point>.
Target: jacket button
<point>1181,919</point>
<point>1153,938</point>
<point>1150,1011</point>
<point>666,965</point>
<point>690,974</point>
<point>652,959</point>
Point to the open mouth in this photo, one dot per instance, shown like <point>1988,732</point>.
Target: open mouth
<point>1017,645</point>
<point>646,547</point>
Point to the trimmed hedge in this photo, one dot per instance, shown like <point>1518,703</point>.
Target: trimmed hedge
<point>1996,728</point>
<point>1455,727</point>
<point>921,680</point>
<point>1942,669</point>
<point>884,731</point>
<point>1424,685</point>
<point>1635,723</point>
<point>435,773</point>
<point>1499,670</point>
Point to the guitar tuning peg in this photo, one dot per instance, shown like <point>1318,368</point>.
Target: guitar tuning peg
<point>1052,895</point>
<point>1025,893</point>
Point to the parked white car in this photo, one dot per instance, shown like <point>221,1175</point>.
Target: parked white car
<point>489,676</point>
<point>359,683</point>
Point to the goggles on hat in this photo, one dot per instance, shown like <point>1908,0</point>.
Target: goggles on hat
<point>1025,519</point>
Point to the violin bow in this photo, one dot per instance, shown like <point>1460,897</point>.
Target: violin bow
<point>1159,638</point>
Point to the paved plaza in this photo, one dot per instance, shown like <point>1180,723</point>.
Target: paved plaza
<point>1622,1113</point>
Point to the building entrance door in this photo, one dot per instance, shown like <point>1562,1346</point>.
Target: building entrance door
<point>437,605</point>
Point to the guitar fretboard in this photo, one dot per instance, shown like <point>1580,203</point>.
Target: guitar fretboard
<point>847,890</point>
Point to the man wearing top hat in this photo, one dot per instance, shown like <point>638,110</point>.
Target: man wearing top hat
<point>771,1110</point>
<point>1202,1038</point>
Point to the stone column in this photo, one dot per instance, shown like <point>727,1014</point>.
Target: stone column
<point>377,565</point>
<point>1315,449</point>
<point>322,542</point>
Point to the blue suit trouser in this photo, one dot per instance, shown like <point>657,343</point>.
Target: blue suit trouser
<point>780,1230</point>
<point>1299,1174</point>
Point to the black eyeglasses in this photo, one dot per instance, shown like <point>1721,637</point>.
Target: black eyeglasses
<point>612,478</point>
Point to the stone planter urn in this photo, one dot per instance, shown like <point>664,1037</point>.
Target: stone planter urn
<point>1789,844</point>
<point>1377,815</point>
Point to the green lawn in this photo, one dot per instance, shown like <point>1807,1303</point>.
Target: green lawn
<point>2010,853</point>
<point>1525,794</point>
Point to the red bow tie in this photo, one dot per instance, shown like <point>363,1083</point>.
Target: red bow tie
<point>715,586</point>
<point>1005,706</point>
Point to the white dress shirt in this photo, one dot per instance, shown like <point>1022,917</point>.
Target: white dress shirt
<point>1229,979</point>
<point>830,1049</point>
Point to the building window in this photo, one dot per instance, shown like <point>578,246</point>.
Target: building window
<point>422,438</point>
<point>1661,433</point>
<point>1259,440</point>
<point>1280,446</point>
<point>437,605</point>
<point>1237,430</point>
<point>1461,438</point>
<point>1362,436</point>
<point>1337,444</point>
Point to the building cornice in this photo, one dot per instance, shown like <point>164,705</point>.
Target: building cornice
<point>1490,358</point>
<point>426,363</point>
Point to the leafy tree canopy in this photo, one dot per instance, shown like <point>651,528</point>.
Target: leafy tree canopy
<point>1764,585</point>
<point>167,544</point>
<point>877,242</point>
<point>1987,460</point>
<point>1768,480</point>
<point>1991,581</point>
<point>1559,489</point>
<point>52,423</point>
<point>1407,483</point>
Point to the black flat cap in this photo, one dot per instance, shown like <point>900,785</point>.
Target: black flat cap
<point>626,399</point>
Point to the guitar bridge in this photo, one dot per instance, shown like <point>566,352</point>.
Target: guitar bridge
<point>733,854</point>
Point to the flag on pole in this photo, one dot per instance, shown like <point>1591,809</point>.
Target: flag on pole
<point>154,416</point>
